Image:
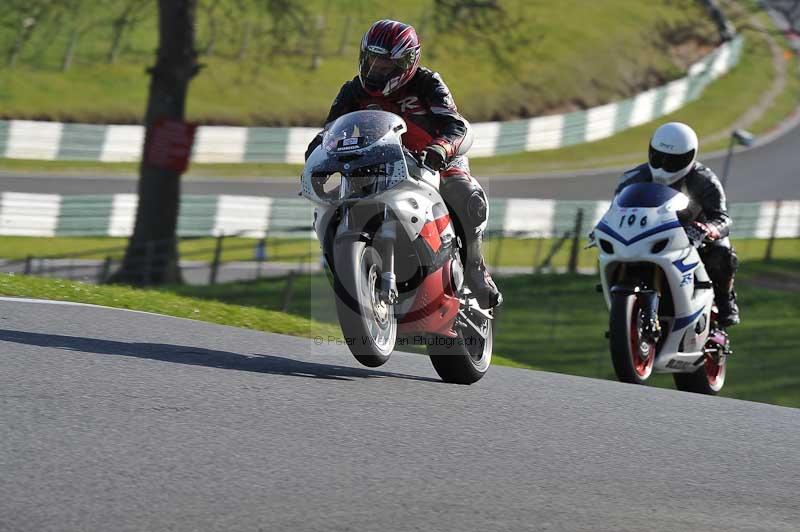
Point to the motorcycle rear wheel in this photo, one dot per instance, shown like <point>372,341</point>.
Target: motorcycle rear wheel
<point>464,359</point>
<point>708,380</point>
<point>368,323</point>
<point>632,358</point>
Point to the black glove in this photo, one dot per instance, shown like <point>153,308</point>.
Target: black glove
<point>434,157</point>
<point>697,233</point>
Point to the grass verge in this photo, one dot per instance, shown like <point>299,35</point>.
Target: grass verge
<point>201,249</point>
<point>164,302</point>
<point>260,84</point>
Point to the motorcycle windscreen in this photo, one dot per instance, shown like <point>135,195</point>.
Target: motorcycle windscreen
<point>645,195</point>
<point>360,129</point>
<point>363,173</point>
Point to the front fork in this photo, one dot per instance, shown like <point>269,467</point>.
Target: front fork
<point>651,328</point>
<point>384,243</point>
<point>648,302</point>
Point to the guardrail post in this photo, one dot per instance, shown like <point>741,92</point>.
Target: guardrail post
<point>537,253</point>
<point>28,265</point>
<point>105,270</point>
<point>261,256</point>
<point>576,238</point>
<point>212,279</point>
<point>773,232</point>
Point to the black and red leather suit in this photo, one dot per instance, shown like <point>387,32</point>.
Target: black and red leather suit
<point>433,123</point>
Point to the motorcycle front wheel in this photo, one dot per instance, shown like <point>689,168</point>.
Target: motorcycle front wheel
<point>632,356</point>
<point>464,359</point>
<point>368,323</point>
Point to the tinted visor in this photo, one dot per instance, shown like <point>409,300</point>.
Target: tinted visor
<point>670,162</point>
<point>377,69</point>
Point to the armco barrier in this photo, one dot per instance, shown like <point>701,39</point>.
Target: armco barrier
<point>256,217</point>
<point>20,139</point>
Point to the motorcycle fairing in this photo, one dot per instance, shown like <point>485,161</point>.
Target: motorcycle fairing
<point>678,260</point>
<point>434,307</point>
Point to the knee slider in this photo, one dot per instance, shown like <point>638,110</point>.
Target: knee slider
<point>477,208</point>
<point>466,199</point>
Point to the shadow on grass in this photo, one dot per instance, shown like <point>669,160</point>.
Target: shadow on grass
<point>197,356</point>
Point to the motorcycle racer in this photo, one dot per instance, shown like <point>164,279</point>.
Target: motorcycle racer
<point>672,161</point>
<point>391,79</point>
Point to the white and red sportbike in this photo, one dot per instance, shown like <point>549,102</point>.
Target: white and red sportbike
<point>394,256</point>
<point>663,317</point>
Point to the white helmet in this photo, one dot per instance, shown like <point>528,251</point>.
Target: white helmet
<point>673,151</point>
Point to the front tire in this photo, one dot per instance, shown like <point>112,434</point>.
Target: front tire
<point>368,323</point>
<point>632,357</point>
<point>464,359</point>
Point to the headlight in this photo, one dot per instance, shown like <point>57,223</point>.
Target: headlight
<point>327,187</point>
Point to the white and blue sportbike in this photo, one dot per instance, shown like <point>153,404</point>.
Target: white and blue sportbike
<point>663,317</point>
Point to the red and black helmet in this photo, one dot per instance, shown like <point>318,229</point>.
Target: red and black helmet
<point>389,57</point>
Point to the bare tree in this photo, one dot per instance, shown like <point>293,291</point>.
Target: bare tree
<point>211,8</point>
<point>486,23</point>
<point>740,15</point>
<point>790,10</point>
<point>80,17</point>
<point>23,18</point>
<point>289,20</point>
<point>152,253</point>
<point>130,13</point>
<point>318,38</point>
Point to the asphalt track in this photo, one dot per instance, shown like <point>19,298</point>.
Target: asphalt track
<point>115,420</point>
<point>766,172</point>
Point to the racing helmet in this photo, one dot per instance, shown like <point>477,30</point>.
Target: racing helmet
<point>389,57</point>
<point>673,152</point>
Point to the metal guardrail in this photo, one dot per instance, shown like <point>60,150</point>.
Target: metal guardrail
<point>259,217</point>
<point>220,258</point>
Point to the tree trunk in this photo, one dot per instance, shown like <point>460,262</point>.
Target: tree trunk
<point>116,40</point>
<point>316,45</point>
<point>22,38</point>
<point>348,25</point>
<point>244,44</point>
<point>212,37</point>
<point>152,254</point>
<point>69,54</point>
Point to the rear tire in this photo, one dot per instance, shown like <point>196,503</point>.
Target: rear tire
<point>633,359</point>
<point>464,359</point>
<point>708,380</point>
<point>368,324</point>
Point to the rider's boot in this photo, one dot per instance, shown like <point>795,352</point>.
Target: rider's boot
<point>728,310</point>
<point>721,262</point>
<point>477,276</point>
<point>469,207</point>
